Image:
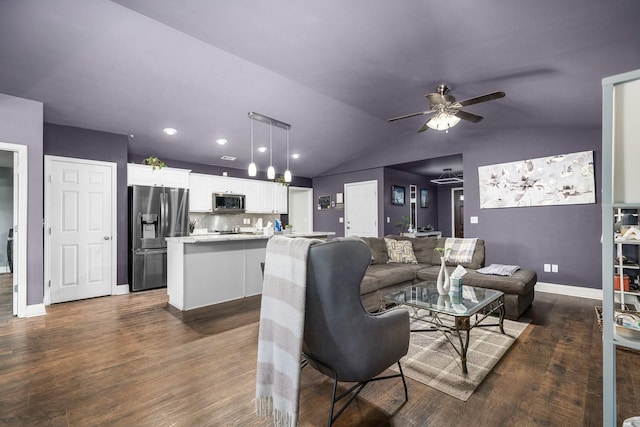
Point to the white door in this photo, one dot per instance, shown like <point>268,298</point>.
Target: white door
<point>78,218</point>
<point>301,209</point>
<point>361,209</point>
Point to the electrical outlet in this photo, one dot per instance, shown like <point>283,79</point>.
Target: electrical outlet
<point>474,220</point>
<point>547,268</point>
<point>341,220</point>
<point>554,268</point>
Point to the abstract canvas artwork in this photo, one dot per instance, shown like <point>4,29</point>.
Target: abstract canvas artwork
<point>565,179</point>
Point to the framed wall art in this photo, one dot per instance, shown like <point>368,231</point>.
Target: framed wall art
<point>324,202</point>
<point>564,179</point>
<point>397,195</point>
<point>424,198</point>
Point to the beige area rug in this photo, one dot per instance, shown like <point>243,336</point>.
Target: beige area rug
<point>432,361</point>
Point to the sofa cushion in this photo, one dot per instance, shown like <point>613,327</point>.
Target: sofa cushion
<point>400,251</point>
<point>391,274</point>
<point>378,249</point>
<point>422,248</point>
<point>477,261</point>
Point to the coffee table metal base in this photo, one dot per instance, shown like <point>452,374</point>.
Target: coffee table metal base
<point>462,325</point>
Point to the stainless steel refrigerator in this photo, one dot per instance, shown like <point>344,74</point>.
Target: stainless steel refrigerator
<point>155,213</point>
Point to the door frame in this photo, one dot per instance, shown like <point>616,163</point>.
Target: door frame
<point>48,160</point>
<point>20,228</point>
<point>453,209</point>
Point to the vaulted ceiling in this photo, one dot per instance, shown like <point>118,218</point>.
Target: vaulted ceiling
<point>334,70</point>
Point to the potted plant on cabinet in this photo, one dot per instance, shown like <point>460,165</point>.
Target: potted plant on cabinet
<point>154,162</point>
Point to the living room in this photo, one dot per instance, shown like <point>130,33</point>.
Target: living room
<point>549,64</point>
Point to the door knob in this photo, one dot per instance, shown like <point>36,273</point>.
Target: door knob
<point>106,237</point>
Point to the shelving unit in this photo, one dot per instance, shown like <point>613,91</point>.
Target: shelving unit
<point>620,191</point>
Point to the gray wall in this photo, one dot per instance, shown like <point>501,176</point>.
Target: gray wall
<point>328,219</point>
<point>67,141</point>
<point>567,235</point>
<point>395,213</point>
<point>21,123</point>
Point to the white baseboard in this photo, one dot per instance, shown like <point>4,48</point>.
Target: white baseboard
<point>34,310</point>
<point>122,289</point>
<point>574,291</point>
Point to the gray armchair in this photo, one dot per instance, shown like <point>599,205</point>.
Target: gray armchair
<point>341,339</point>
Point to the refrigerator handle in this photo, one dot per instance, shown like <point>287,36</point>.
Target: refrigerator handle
<point>163,215</point>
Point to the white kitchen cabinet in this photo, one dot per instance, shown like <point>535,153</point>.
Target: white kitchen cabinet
<point>280,198</point>
<point>159,177</point>
<point>217,184</point>
<point>253,191</point>
<point>261,196</point>
<point>200,193</point>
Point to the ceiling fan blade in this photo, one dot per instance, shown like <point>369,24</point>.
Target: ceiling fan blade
<point>423,127</point>
<point>406,116</point>
<point>470,117</point>
<point>479,99</point>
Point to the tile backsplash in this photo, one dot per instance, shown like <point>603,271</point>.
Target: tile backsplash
<point>214,222</point>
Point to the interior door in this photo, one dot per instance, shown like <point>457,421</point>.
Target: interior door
<point>361,209</point>
<point>458,212</point>
<point>80,226</point>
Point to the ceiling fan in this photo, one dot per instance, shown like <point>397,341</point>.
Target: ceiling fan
<point>447,111</point>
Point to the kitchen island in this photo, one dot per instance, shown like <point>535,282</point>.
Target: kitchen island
<point>209,269</point>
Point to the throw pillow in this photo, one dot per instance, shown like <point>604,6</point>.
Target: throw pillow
<point>400,251</point>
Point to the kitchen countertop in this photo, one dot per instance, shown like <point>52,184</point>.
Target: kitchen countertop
<point>217,237</point>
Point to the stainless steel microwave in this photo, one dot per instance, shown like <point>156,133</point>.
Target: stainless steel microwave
<point>228,203</point>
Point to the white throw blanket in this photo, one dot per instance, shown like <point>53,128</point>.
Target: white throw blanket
<point>282,329</point>
<point>459,250</point>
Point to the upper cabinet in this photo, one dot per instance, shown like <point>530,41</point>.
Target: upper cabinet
<point>159,177</point>
<point>200,193</point>
<point>261,196</point>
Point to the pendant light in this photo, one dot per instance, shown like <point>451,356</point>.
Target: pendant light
<point>271,172</point>
<point>253,170</point>
<point>287,173</point>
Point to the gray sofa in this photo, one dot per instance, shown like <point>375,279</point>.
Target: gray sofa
<point>383,277</point>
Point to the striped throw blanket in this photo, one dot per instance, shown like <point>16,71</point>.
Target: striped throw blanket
<point>281,329</point>
<point>459,250</point>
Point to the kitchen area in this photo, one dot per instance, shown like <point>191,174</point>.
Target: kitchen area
<point>203,237</point>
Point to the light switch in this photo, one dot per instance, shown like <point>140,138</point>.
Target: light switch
<point>340,220</point>
<point>474,220</point>
<point>388,220</point>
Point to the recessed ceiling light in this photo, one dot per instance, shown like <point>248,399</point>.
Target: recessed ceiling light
<point>262,149</point>
<point>169,131</point>
<point>295,156</point>
<point>221,141</point>
<point>230,158</point>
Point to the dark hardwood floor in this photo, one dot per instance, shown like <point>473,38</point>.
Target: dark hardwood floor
<point>132,360</point>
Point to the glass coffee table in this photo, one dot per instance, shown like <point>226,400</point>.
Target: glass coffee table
<point>466,313</point>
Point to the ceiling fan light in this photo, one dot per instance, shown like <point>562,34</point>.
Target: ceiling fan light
<point>287,176</point>
<point>271,173</point>
<point>253,170</point>
<point>443,121</point>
